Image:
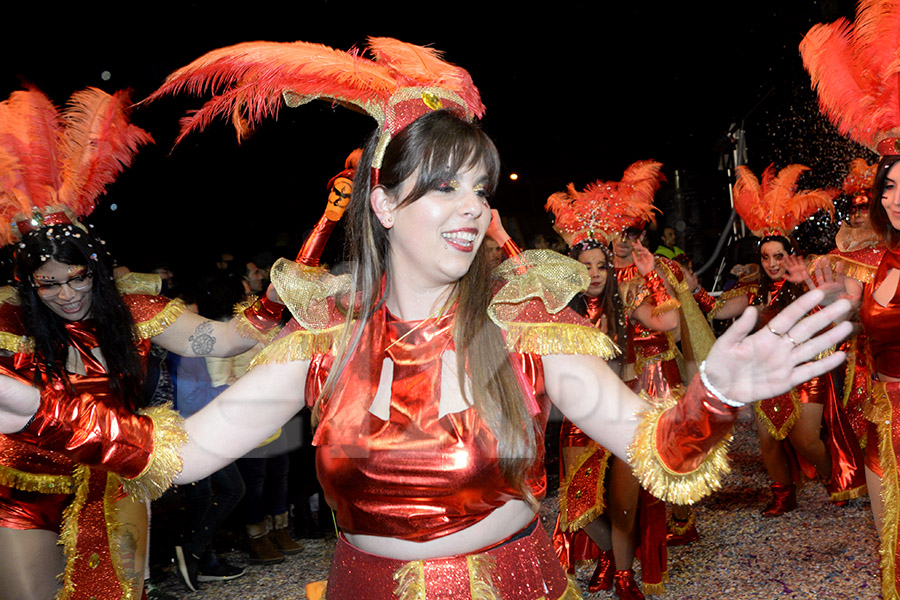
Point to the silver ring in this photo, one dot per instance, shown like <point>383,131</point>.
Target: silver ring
<point>773,332</point>
<point>791,340</point>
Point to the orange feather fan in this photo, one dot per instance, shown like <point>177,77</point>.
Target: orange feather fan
<point>774,206</point>
<point>854,69</point>
<point>605,208</point>
<point>54,165</point>
<point>249,82</point>
<point>859,181</point>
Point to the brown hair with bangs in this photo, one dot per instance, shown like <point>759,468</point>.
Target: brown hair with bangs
<point>434,147</point>
<point>877,214</point>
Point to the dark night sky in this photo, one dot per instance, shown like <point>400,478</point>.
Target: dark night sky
<point>575,91</point>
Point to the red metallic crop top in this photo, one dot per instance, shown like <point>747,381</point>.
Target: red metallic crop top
<point>417,475</point>
<point>882,323</point>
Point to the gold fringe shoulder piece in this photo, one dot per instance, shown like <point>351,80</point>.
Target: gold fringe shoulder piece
<point>36,482</point>
<point>297,345</point>
<point>245,329</point>
<point>160,321</point>
<point>670,304</point>
<point>854,269</point>
<point>310,293</point>
<point>16,343</point>
<point>165,463</point>
<point>559,338</point>
<point>542,275</point>
<point>662,482</point>
<point>139,283</point>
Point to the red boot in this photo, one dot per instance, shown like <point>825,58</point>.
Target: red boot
<point>682,532</point>
<point>784,499</point>
<point>626,588</point>
<point>602,579</point>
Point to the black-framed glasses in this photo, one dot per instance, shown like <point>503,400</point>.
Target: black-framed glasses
<point>79,283</point>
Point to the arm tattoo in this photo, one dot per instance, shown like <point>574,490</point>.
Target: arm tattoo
<point>203,341</point>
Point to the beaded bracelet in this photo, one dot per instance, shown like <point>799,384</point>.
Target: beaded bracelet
<point>712,390</point>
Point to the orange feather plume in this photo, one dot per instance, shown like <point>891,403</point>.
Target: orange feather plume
<point>605,208</point>
<point>52,161</point>
<point>774,206</point>
<point>251,81</point>
<point>854,68</point>
<point>860,178</point>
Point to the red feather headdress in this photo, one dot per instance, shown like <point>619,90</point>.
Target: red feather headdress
<point>54,165</point>
<point>604,209</point>
<point>859,181</point>
<point>854,69</point>
<point>250,81</point>
<point>774,206</point>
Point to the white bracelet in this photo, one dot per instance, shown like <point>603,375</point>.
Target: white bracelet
<point>712,390</point>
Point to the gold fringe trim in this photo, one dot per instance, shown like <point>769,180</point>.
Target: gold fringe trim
<point>677,529</point>
<point>159,322</point>
<point>298,345</point>
<point>655,588</point>
<point>670,304</point>
<point>165,462</point>
<point>245,329</point>
<point>139,283</point>
<point>780,434</point>
<point>889,491</point>
<point>662,482</point>
<point>857,492</point>
<point>36,482</point>
<point>481,577</point>
<point>641,361</point>
<point>849,371</point>
<point>16,343</point>
<point>559,338</point>
<point>68,535</point>
<point>600,498</point>
<point>410,580</point>
<point>113,534</point>
<point>573,592</point>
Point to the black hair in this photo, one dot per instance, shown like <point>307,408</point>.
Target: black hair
<point>789,291</point>
<point>71,245</point>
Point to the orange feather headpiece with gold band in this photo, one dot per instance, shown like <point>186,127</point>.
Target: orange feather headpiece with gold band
<point>774,206</point>
<point>401,83</point>
<point>859,181</point>
<point>604,209</point>
<point>54,165</point>
<point>856,72</point>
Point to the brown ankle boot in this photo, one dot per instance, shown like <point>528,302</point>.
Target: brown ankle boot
<point>262,551</point>
<point>784,499</point>
<point>280,536</point>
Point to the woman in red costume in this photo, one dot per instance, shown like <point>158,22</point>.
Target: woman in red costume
<point>421,379</point>
<point>789,424</point>
<point>72,331</point>
<point>591,222</point>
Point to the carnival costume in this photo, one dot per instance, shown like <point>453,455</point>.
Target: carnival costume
<point>853,69</point>
<point>82,450</point>
<point>597,215</point>
<point>772,208</point>
<point>401,464</point>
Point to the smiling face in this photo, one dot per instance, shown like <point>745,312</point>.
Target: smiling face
<point>434,239</point>
<point>595,261</point>
<point>65,289</point>
<point>771,258</point>
<point>890,198</point>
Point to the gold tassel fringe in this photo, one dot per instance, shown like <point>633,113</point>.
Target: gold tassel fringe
<point>670,304</point>
<point>410,580</point>
<point>16,343</point>
<point>36,482</point>
<point>245,329</point>
<point>159,322</point>
<point>559,338</point>
<point>599,500</point>
<point>298,345</point>
<point>890,495</point>
<point>165,463</point>
<point>68,535</point>
<point>662,482</point>
<point>481,577</point>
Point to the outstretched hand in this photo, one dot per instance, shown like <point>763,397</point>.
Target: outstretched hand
<point>747,368</point>
<point>643,259</point>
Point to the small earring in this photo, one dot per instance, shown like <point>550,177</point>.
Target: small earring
<point>388,220</point>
